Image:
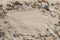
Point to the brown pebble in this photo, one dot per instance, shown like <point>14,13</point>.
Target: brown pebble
<point>2,34</point>
<point>6,22</point>
<point>59,23</point>
<point>39,1</point>
<point>32,36</point>
<point>44,0</point>
<point>3,39</point>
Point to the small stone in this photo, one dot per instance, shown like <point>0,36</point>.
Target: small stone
<point>16,6</point>
<point>52,4</point>
<point>6,22</point>
<point>42,34</point>
<point>26,3</point>
<point>3,39</point>
<point>39,1</point>
<point>17,3</point>
<point>53,14</point>
<point>16,34</point>
<point>55,37</point>
<point>59,23</point>
<point>2,34</point>
<point>5,11</point>
<point>56,24</point>
<point>32,35</point>
<point>47,8</point>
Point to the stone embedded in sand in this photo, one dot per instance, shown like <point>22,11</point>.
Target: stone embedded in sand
<point>27,3</point>
<point>9,6</point>
<point>1,6</point>
<point>16,34</point>
<point>44,0</point>
<point>16,6</point>
<point>42,34</point>
<point>1,33</point>
<point>40,1</point>
<point>1,13</point>
<point>55,37</point>
<point>51,8</point>
<point>24,38</point>
<point>48,33</point>
<point>53,14</point>
<point>32,35</point>
<point>6,22</point>
<point>4,11</point>
<point>56,25</point>
<point>18,3</point>
<point>34,5</point>
<point>59,23</point>
<point>47,8</point>
<point>58,33</point>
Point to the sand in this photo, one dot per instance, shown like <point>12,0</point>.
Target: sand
<point>26,23</point>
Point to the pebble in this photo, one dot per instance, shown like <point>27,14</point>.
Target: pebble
<point>59,23</point>
<point>27,3</point>
<point>16,34</point>
<point>53,14</point>
<point>59,17</point>
<point>17,3</point>
<point>5,11</point>
<point>51,8</point>
<point>32,35</point>
<point>6,22</point>
<point>16,6</point>
<point>55,37</point>
<point>1,33</point>
<point>48,33</point>
<point>42,34</point>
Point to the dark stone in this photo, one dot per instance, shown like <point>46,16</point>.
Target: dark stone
<point>6,22</point>
<point>16,35</point>
<point>17,3</point>
<point>59,23</point>
<point>2,34</point>
<point>47,8</point>
<point>3,39</point>
<point>9,5</point>
<point>39,1</point>
<point>35,4</point>
<point>52,4</point>
<point>1,5</point>
<point>56,24</point>
<point>32,35</point>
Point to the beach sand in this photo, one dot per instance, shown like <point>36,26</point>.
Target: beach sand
<point>26,23</point>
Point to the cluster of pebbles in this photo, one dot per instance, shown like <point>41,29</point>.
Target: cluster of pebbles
<point>41,5</point>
